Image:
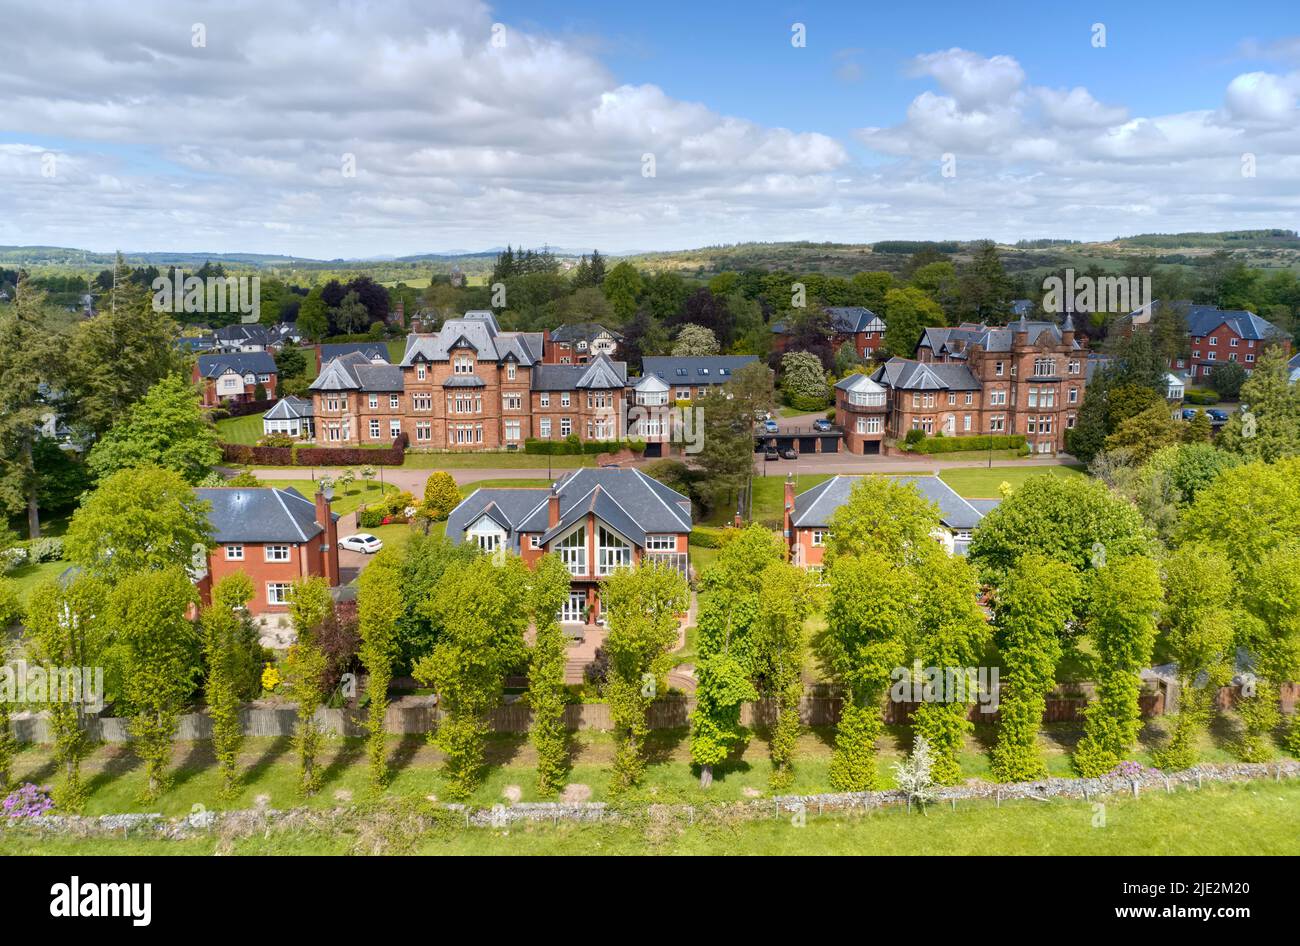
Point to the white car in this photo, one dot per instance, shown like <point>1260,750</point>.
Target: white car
<point>361,542</point>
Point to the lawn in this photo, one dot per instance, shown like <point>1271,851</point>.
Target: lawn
<point>983,482</point>
<point>513,460</point>
<point>360,493</point>
<point>246,430</point>
<point>1254,818</point>
<point>26,577</point>
<point>468,488</point>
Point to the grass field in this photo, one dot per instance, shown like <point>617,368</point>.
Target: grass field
<point>26,577</point>
<point>982,482</point>
<point>493,461</point>
<point>246,430</point>
<point>360,493</point>
<point>1253,818</point>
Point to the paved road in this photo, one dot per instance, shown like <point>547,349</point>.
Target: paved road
<point>413,479</point>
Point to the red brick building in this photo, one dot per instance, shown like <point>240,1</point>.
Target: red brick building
<point>275,536</point>
<point>469,386</point>
<point>579,343</point>
<point>1026,378</point>
<point>234,377</point>
<point>1214,337</point>
<point>861,409</point>
<point>854,323</point>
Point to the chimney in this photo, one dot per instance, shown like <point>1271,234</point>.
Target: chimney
<point>738,522</point>
<point>789,492</point>
<point>329,538</point>
<point>401,313</point>
<point>553,508</point>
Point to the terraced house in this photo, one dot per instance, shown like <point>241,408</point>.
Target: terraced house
<point>469,386</point>
<point>1025,378</point>
<point>596,520</point>
<point>1214,336</point>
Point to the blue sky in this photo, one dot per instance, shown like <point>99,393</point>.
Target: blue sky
<point>237,144</point>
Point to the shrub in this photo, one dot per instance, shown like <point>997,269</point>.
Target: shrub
<point>370,518</point>
<point>28,801</point>
<point>48,549</point>
<point>1200,397</point>
<point>914,436</point>
<point>276,440</point>
<point>931,445</point>
<point>441,495</point>
<point>706,538</point>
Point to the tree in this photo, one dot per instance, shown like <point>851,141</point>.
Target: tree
<point>870,621</point>
<point>729,598</point>
<point>1034,601</point>
<point>886,517</point>
<point>1270,428</point>
<point>1248,513</point>
<point>1270,633</point>
<point>546,694</point>
<point>908,312</point>
<point>1143,434</point>
<point>482,610</point>
<point>379,608</point>
<point>61,476</point>
<point>665,294</point>
<point>642,606</point>
<point>166,429</point>
<point>803,379</point>
<point>136,519</point>
<point>441,495</point>
<point>27,349</point>
<point>622,287</point>
<point>148,619</point>
<point>66,627</point>
<point>778,645</point>
<point>1189,467</point>
<point>1072,520</point>
<point>290,362</point>
<point>695,340</point>
<point>1197,632</point>
<point>313,317</point>
<point>425,560</point>
<point>225,647</point>
<point>118,355</point>
<point>310,605</point>
<point>726,456</point>
<point>951,633</point>
<point>1228,379</point>
<point>642,336</point>
<point>985,288</point>
<point>350,316</point>
<point>1125,597</point>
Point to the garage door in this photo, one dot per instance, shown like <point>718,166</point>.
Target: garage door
<point>653,450</point>
<point>871,447</point>
<point>830,445</point>
<point>807,444</point>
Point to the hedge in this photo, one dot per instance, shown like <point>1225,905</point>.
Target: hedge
<point>1200,397</point>
<point>978,442</point>
<point>570,447</point>
<point>244,408</point>
<point>303,455</point>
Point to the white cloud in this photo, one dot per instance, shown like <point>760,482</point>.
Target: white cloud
<point>970,78</point>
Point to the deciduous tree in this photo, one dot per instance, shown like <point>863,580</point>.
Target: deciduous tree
<point>165,429</point>
<point>548,589</point>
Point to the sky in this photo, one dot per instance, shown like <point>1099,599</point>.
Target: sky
<point>346,129</point>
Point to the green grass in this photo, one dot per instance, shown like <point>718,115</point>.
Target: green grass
<point>983,482</point>
<point>360,493</point>
<point>506,483</point>
<point>246,430</point>
<point>27,577</point>
<point>1250,818</point>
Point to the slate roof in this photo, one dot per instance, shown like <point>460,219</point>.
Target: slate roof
<point>290,408</point>
<point>845,320</point>
<point>196,343</point>
<point>952,341</point>
<point>628,501</point>
<point>1021,307</point>
<point>243,333</point>
<point>355,372</point>
<point>700,369</point>
<point>372,350</point>
<point>814,507</point>
<point>903,374</point>
<point>1204,319</point>
<point>260,514</point>
<point>859,383</point>
<point>479,331</point>
<point>583,332</point>
<point>247,362</point>
<point>600,374</point>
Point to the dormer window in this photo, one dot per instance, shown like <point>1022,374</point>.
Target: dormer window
<point>463,364</point>
<point>510,371</point>
<point>421,372</point>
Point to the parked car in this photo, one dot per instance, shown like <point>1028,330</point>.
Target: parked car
<point>770,426</point>
<point>788,453</point>
<point>361,542</point>
<point>1216,415</point>
<point>821,424</point>
<point>1189,413</point>
<point>771,454</point>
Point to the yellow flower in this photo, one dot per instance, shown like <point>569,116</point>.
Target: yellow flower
<point>270,677</point>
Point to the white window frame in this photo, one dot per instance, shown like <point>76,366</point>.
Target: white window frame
<point>277,549</point>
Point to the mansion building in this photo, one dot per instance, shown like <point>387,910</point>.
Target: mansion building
<point>1025,378</point>
<point>469,386</point>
